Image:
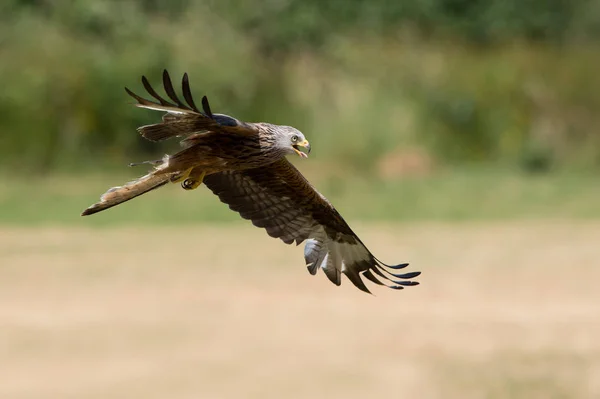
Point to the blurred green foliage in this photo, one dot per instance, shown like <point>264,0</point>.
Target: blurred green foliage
<point>469,81</point>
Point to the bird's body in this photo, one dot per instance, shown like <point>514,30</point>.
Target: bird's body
<point>220,151</point>
<point>245,165</point>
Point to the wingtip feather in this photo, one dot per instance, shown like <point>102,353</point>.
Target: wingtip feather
<point>206,107</point>
<point>396,267</point>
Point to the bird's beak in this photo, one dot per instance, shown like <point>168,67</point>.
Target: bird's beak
<point>304,144</point>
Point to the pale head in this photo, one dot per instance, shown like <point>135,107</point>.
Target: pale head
<point>290,139</point>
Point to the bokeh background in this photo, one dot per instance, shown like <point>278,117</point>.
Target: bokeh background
<point>460,135</point>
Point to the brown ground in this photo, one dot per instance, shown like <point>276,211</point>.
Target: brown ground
<point>504,311</point>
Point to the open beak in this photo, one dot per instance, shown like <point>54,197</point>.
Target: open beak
<point>304,144</point>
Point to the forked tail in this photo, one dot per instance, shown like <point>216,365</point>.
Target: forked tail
<point>120,194</point>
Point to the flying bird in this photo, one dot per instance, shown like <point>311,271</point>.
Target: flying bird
<point>245,165</point>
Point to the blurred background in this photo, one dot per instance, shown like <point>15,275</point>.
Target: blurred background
<point>460,135</point>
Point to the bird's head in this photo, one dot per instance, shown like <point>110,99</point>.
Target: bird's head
<point>291,139</point>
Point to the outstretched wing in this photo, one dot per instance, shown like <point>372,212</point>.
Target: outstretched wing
<point>184,118</point>
<point>279,199</point>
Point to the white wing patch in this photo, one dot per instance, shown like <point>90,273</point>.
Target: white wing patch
<point>333,257</point>
<point>354,260</point>
<point>315,251</point>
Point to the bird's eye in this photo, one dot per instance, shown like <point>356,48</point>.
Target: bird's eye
<point>294,138</point>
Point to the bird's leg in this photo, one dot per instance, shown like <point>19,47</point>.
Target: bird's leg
<point>193,182</point>
<point>182,176</point>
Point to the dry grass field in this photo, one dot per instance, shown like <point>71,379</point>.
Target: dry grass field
<point>504,310</point>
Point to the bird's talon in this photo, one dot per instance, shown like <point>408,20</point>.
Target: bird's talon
<point>182,176</point>
<point>190,184</point>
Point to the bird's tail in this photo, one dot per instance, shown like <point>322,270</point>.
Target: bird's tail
<point>120,194</point>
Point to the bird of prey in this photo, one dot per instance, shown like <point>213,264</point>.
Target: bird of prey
<point>245,165</point>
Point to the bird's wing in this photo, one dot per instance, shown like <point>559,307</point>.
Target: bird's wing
<point>279,199</point>
<point>184,118</point>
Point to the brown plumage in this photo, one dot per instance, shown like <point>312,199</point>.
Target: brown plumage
<point>244,164</point>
